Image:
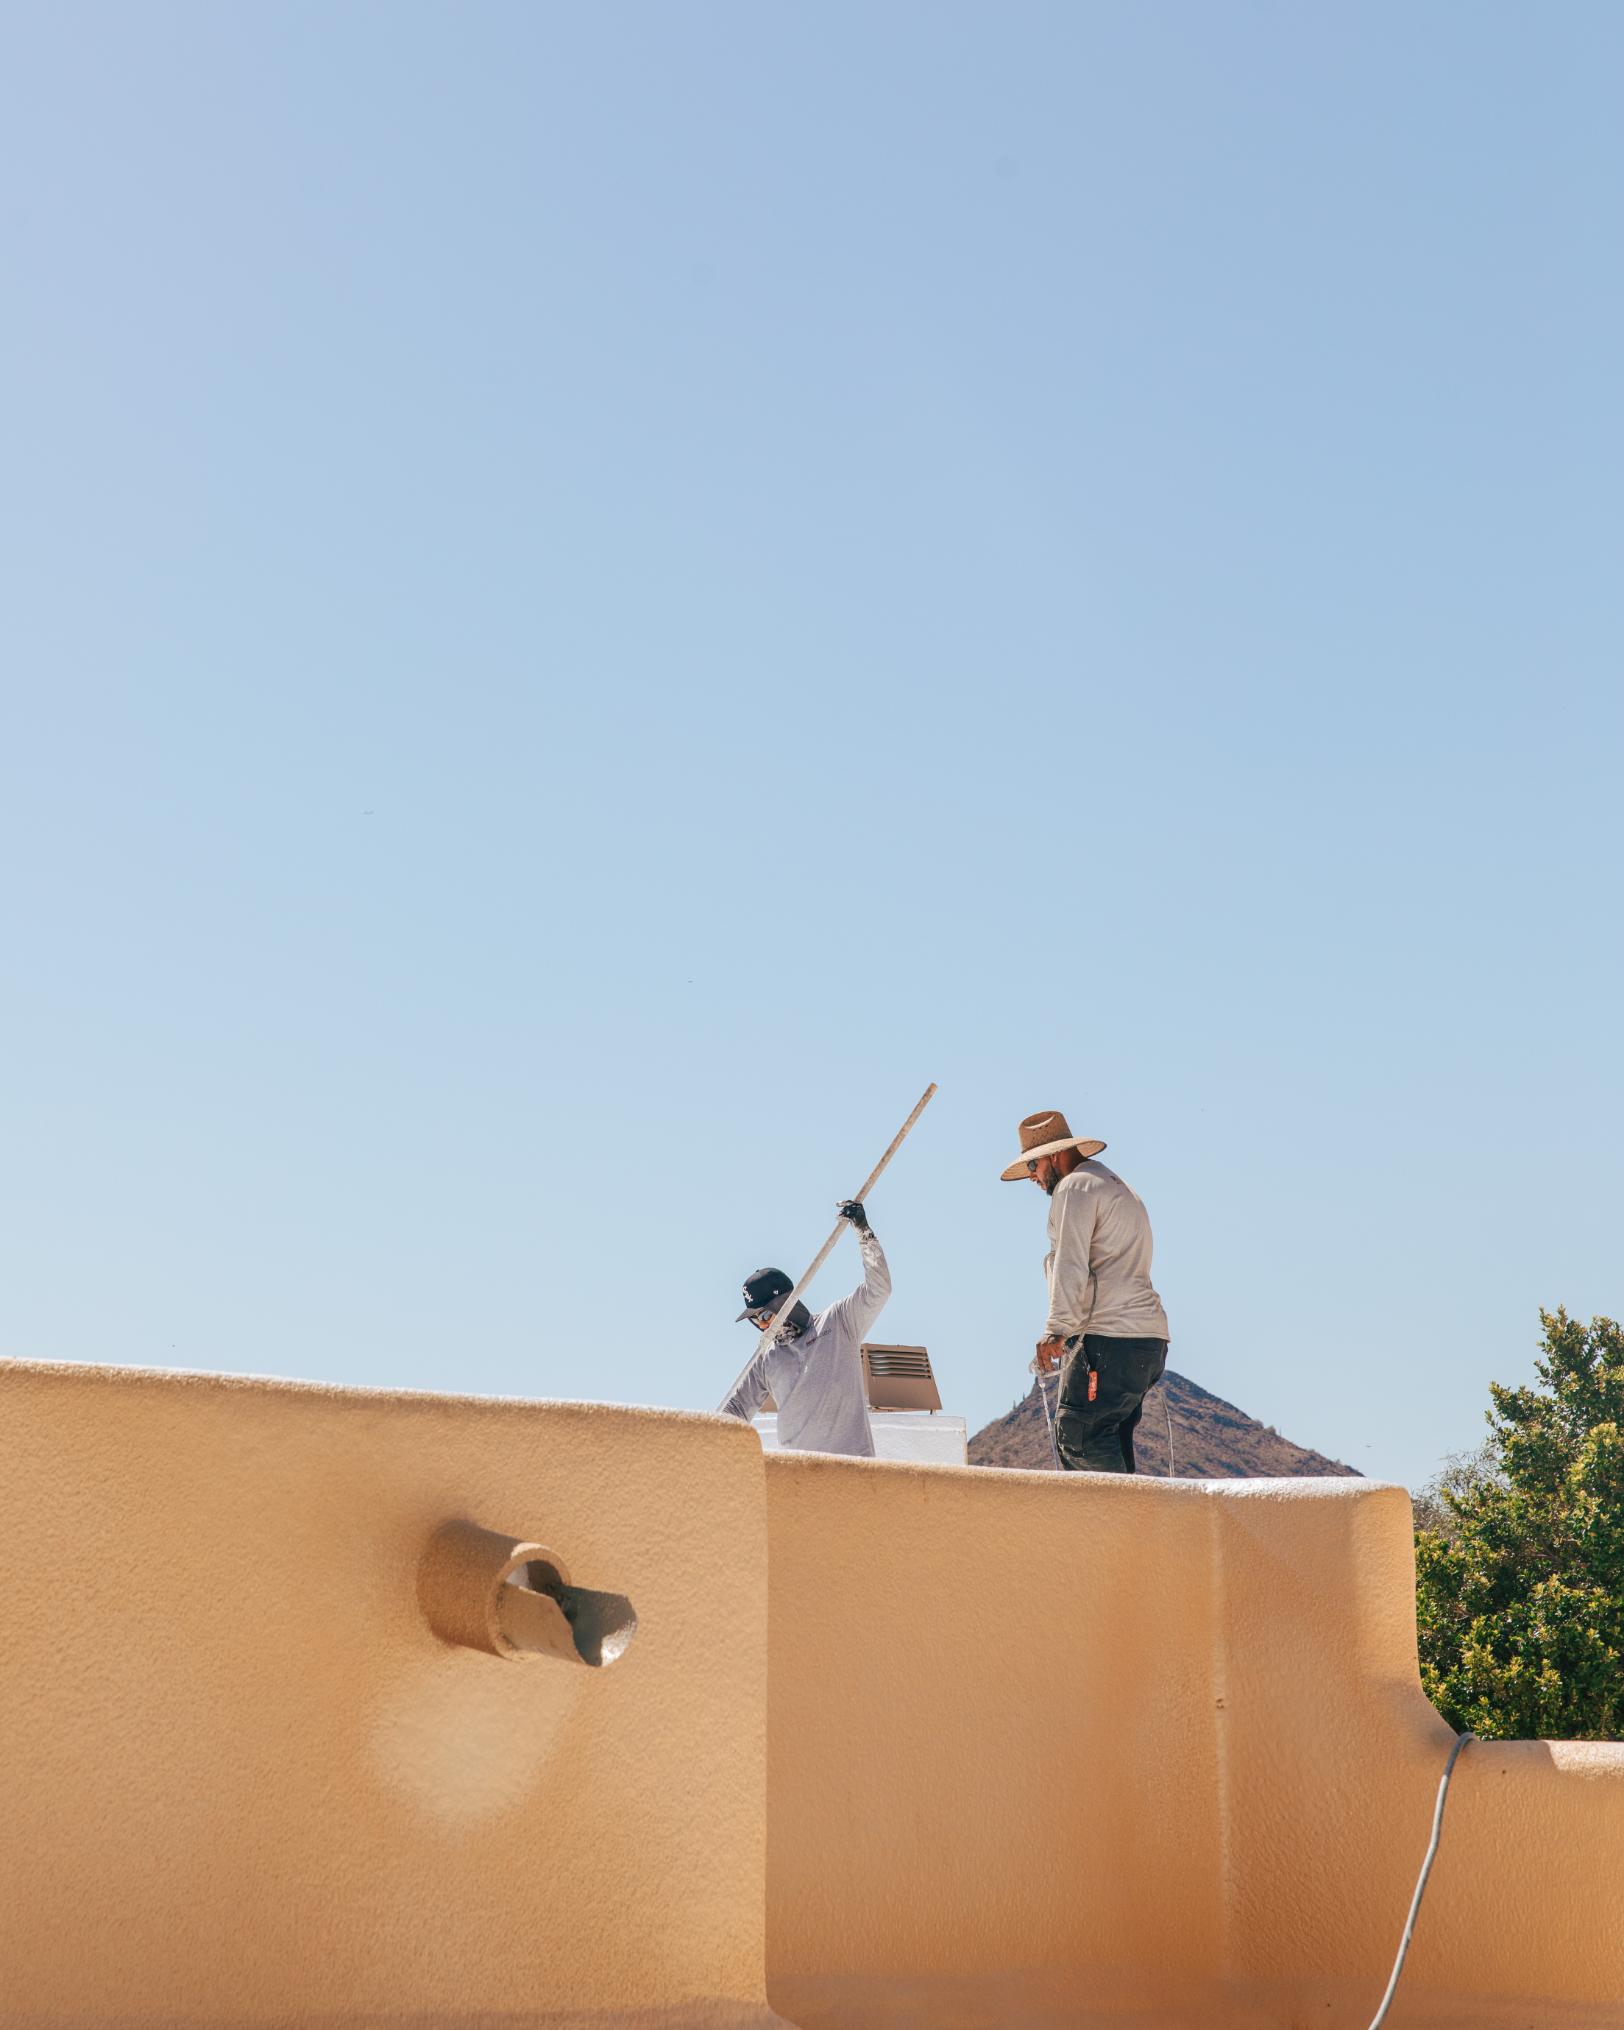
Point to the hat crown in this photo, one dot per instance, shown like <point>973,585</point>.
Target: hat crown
<point>1039,1129</point>
<point>765,1285</point>
<point>1046,1134</point>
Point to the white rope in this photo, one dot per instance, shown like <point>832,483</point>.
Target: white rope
<point>1049,1417</point>
<point>1380,2016</point>
<point>1431,1854</point>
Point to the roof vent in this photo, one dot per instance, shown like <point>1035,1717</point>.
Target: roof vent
<point>900,1378</point>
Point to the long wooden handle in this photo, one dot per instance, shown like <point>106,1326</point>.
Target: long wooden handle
<point>770,1336</point>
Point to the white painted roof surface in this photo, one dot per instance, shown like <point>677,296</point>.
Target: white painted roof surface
<point>926,1437</point>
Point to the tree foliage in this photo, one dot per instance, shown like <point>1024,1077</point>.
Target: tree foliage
<point>1462,1472</point>
<point>1520,1575</point>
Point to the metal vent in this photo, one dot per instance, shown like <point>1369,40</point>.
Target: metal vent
<point>900,1378</point>
<point>911,1360</point>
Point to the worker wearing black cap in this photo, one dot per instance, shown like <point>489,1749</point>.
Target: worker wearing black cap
<point>813,1370</point>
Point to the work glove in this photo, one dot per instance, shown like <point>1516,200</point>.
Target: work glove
<point>852,1209</point>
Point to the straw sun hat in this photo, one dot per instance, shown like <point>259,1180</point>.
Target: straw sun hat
<point>1046,1135</point>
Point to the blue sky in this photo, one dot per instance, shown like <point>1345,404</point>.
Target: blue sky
<point>595,596</point>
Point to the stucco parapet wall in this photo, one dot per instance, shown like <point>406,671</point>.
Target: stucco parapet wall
<point>893,1744</point>
<point>1157,1751</point>
<point>249,1785</point>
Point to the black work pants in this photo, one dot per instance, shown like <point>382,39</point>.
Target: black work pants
<point>1097,1437</point>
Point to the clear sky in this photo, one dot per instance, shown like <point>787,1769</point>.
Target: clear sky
<point>592,596</point>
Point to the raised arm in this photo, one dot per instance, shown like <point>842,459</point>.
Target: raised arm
<point>859,1311</point>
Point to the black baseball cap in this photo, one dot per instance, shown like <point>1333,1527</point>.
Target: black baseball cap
<point>766,1286</point>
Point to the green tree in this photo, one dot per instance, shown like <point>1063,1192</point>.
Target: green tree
<point>1520,1578</point>
<point>1462,1471</point>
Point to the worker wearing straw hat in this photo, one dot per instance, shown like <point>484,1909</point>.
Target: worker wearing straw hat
<point>1105,1320</point>
<point>814,1370</point>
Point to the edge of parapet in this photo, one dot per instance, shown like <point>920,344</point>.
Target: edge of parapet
<point>207,1380</point>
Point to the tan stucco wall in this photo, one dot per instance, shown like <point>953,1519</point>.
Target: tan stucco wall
<point>978,1706</point>
<point>246,1785</point>
<point>1156,1749</point>
<point>1017,1749</point>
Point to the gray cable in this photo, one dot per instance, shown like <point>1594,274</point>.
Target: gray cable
<point>1048,1418</point>
<point>1054,1444</point>
<point>1431,1855</point>
<point>1380,2016</point>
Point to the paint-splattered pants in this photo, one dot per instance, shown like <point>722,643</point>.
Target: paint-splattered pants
<point>1097,1437</point>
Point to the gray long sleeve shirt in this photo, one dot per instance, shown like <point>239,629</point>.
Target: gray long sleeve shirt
<point>817,1379</point>
<point>1098,1264</point>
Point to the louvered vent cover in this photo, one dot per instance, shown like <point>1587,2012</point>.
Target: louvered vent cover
<point>899,1378</point>
<point>911,1360</point>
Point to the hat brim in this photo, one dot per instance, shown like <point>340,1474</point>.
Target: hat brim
<point>1017,1170</point>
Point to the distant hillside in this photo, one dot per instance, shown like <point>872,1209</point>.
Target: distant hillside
<point>1212,1440</point>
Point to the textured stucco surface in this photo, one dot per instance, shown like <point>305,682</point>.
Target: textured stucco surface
<point>1100,1749</point>
<point>893,1745</point>
<point>245,1783</point>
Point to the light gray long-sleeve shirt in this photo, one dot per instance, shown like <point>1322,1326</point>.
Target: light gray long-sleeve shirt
<point>1098,1265</point>
<point>817,1379</point>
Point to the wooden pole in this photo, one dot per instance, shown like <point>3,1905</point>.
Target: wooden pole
<point>770,1337</point>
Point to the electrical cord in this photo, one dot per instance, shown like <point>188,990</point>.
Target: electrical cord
<point>1049,1417</point>
<point>1380,2016</point>
<point>1431,1854</point>
<point>1054,1441</point>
